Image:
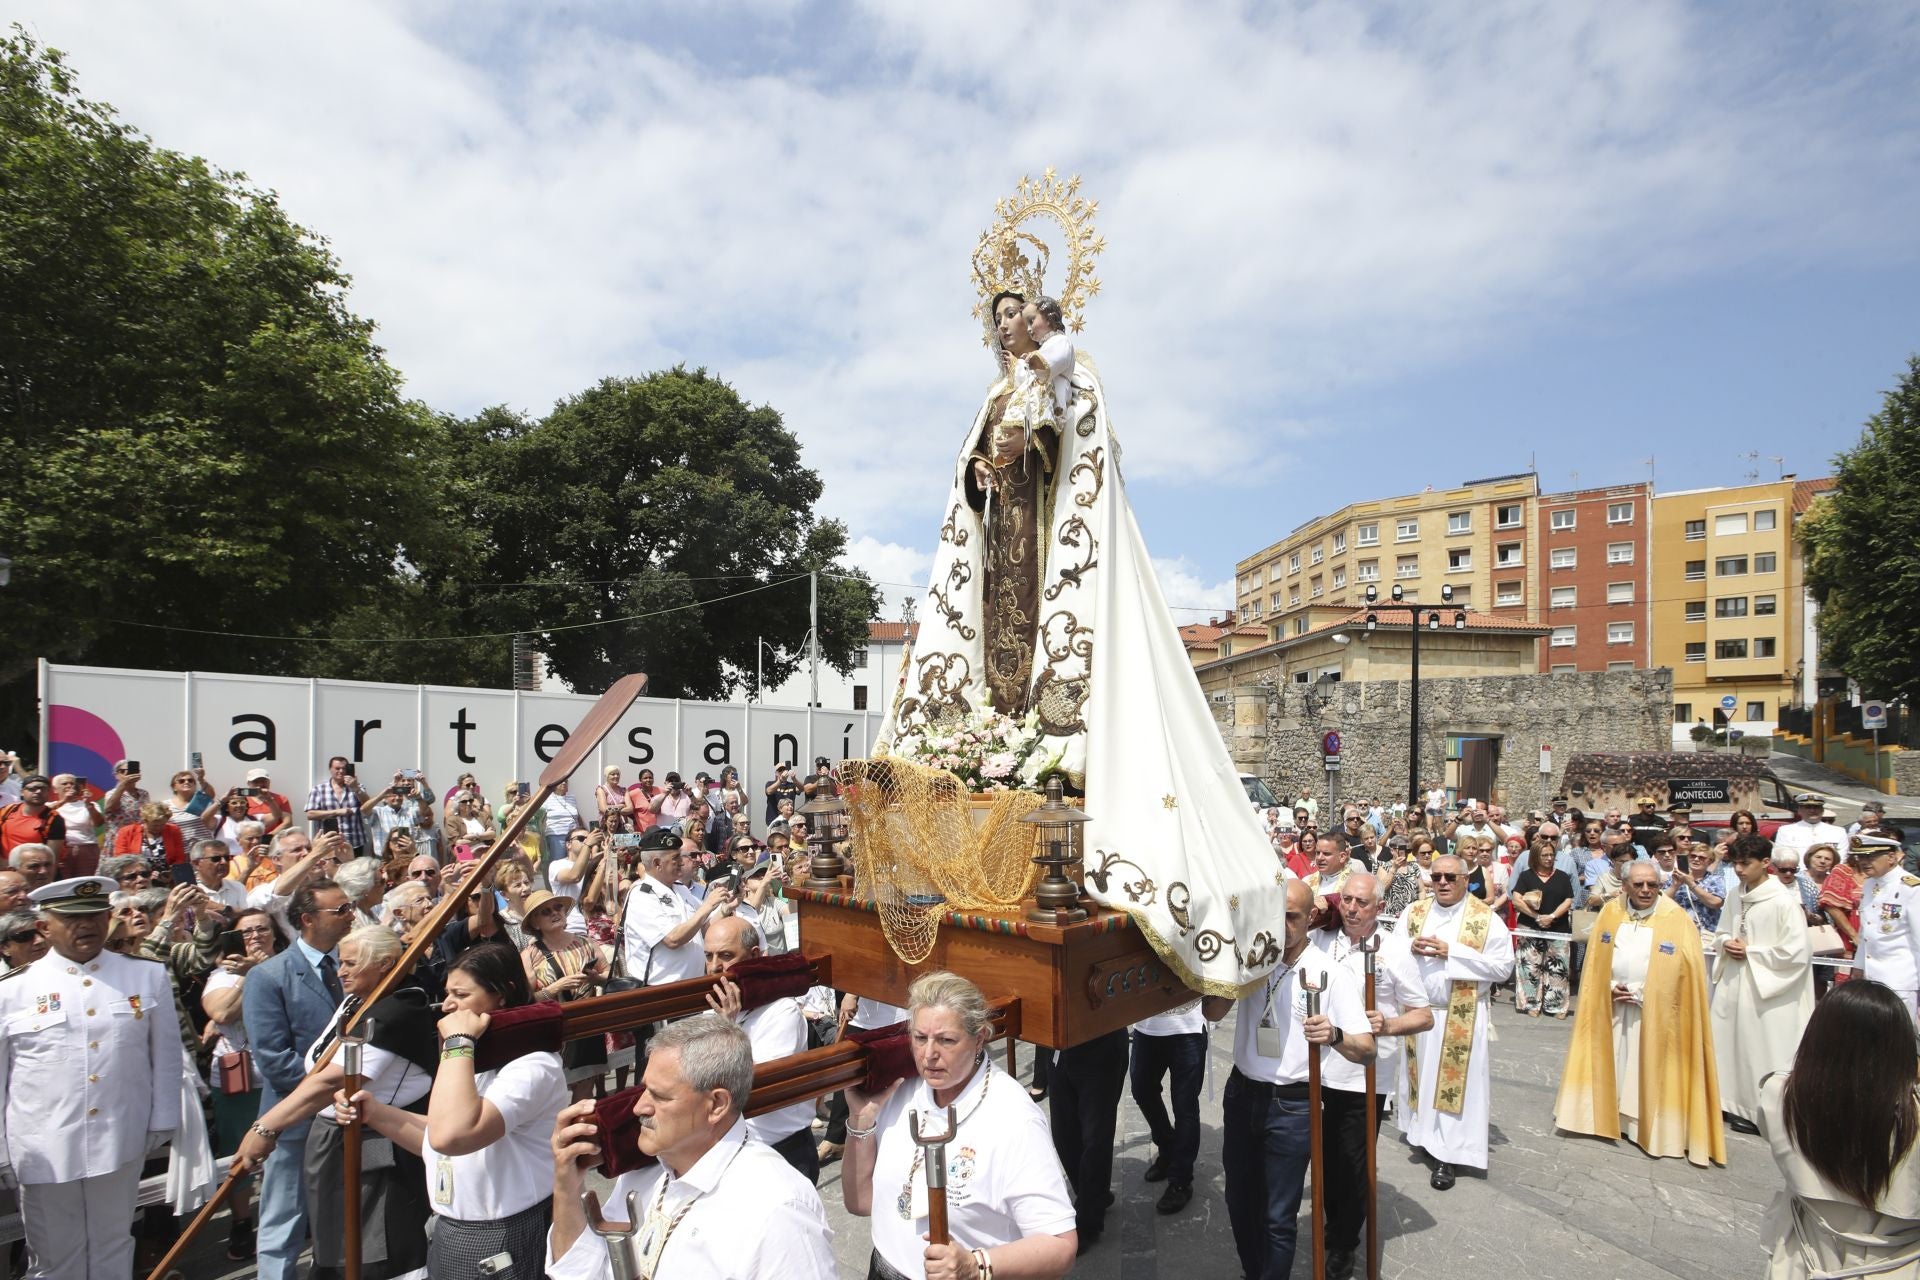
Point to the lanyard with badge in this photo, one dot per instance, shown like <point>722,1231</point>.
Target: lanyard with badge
<point>1268,1041</point>
<point>659,1228</point>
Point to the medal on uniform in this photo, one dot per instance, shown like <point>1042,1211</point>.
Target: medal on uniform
<point>443,1180</point>
<point>135,1002</point>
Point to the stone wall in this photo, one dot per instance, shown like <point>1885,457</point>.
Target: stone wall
<point>1589,711</point>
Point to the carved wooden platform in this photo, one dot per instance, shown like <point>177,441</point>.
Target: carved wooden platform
<point>1074,982</point>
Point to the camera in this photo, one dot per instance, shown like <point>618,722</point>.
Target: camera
<point>627,840</point>
<point>248,792</point>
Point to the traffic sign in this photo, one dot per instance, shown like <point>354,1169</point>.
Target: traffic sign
<point>1873,715</point>
<point>1734,735</point>
<point>1729,702</point>
<point>1330,744</point>
<point>1333,764</point>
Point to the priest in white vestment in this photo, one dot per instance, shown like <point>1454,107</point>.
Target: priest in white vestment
<point>1763,987</point>
<point>1463,951</point>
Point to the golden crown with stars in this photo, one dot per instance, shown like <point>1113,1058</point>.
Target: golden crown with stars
<point>1011,256</point>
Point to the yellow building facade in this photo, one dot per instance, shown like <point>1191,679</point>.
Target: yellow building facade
<point>1474,538</point>
<point>1728,601</point>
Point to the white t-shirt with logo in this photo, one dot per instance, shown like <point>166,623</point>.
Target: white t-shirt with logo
<point>1280,998</point>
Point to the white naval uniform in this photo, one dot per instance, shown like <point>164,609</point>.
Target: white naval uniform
<point>748,1213</point>
<point>1397,987</point>
<point>1455,1139</point>
<point>778,1030</point>
<point>653,911</point>
<point>1802,835</point>
<point>90,1065</point>
<point>1889,948</point>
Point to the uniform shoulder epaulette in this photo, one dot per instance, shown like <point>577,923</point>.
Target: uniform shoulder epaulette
<point>13,973</point>
<point>1910,881</point>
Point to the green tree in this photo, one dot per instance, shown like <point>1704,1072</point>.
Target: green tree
<point>201,433</point>
<point>665,496</point>
<point>1863,551</point>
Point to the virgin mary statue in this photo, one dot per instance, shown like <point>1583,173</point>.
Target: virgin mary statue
<point>1043,605</point>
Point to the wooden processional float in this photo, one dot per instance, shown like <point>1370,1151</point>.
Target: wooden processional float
<point>1057,971</point>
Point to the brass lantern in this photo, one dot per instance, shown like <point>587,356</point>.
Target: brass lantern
<point>1057,837</point>
<point>826,816</point>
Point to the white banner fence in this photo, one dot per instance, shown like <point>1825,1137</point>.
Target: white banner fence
<point>93,716</point>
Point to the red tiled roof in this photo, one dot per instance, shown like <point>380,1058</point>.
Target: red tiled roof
<point>891,632</point>
<point>1805,491</point>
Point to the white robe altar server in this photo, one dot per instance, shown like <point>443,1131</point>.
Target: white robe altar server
<point>1763,985</point>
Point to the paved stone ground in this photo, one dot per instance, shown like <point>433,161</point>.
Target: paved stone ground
<point>1551,1207</point>
<point>1847,794</point>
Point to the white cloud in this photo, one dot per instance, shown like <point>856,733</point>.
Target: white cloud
<point>1298,200</point>
<point>900,571</point>
<point>1189,595</point>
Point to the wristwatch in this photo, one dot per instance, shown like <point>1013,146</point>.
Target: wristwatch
<point>271,1135</point>
<point>456,1042</point>
<point>1338,1036</point>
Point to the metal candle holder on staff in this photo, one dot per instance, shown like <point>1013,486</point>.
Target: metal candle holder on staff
<point>1057,832</point>
<point>826,830</point>
<point>1314,1139</point>
<point>620,1238</point>
<point>936,1170</point>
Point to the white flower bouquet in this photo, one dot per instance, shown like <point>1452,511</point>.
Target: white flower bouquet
<point>987,751</point>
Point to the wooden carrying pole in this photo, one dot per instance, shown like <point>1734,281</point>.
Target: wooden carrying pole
<point>594,726</point>
<point>1315,1149</point>
<point>1372,952</point>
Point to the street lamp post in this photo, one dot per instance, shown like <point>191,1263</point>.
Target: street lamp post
<point>1415,623</point>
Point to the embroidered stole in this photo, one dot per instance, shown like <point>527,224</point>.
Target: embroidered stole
<point>1463,1007</point>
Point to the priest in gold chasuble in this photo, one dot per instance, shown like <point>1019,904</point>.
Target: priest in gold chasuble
<point>1462,951</point>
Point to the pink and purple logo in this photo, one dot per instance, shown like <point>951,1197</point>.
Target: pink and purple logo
<point>80,742</point>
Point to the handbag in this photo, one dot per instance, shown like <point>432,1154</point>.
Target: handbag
<point>1825,940</point>
<point>235,1072</point>
<point>1583,922</point>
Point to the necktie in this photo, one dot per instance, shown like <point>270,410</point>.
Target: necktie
<point>330,976</point>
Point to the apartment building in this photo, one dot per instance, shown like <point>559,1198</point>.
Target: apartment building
<point>1471,537</point>
<point>1729,600</point>
<point>1592,579</point>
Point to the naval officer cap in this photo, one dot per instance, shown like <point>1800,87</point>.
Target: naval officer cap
<point>82,895</point>
<point>660,839</point>
<point>1862,846</point>
<point>1806,798</point>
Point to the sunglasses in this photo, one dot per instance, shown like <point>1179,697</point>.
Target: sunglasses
<point>24,935</point>
<point>216,857</point>
<point>344,909</point>
<point>1449,875</point>
<point>576,839</point>
<point>419,875</point>
<point>264,931</point>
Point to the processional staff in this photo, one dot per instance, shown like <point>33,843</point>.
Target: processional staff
<point>1314,1140</point>
<point>1371,950</point>
<point>935,1148</point>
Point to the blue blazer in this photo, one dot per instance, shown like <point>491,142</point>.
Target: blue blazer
<point>286,1007</point>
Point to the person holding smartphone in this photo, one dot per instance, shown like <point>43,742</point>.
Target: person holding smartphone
<point>335,803</point>
<point>783,787</point>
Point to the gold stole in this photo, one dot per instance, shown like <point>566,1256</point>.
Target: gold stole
<point>1463,1007</point>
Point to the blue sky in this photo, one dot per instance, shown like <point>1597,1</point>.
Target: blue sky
<point>1351,252</point>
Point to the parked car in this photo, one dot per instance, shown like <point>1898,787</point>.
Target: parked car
<point>1258,792</point>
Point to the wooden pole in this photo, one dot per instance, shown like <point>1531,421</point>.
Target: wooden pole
<point>1315,1149</point>
<point>595,725</point>
<point>1373,1130</point>
<point>350,1136</point>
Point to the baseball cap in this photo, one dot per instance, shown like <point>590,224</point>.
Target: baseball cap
<point>258,775</point>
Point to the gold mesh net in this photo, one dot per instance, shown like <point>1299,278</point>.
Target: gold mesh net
<point>922,846</point>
